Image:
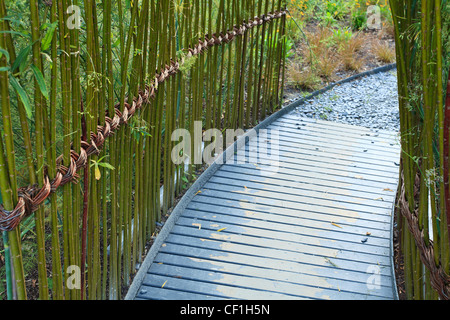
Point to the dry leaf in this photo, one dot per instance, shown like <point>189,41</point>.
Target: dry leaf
<point>221,229</point>
<point>197,225</point>
<point>387,189</point>
<point>98,175</point>
<point>368,233</point>
<point>380,198</point>
<point>199,191</point>
<point>164,284</point>
<point>336,225</point>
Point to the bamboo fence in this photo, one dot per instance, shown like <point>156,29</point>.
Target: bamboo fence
<point>94,102</point>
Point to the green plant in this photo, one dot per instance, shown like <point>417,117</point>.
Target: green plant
<point>328,19</point>
<point>359,20</point>
<point>337,8</point>
<point>341,36</point>
<point>302,78</point>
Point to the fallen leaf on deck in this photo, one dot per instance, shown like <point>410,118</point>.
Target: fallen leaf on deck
<point>387,189</point>
<point>221,229</point>
<point>330,262</point>
<point>197,225</point>
<point>336,225</point>
<point>164,284</point>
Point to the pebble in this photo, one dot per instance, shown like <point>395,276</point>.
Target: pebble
<point>371,102</point>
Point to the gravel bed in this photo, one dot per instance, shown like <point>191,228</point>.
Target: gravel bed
<point>371,102</point>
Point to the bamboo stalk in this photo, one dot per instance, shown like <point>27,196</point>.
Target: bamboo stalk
<point>9,194</point>
<point>57,276</point>
<point>39,127</point>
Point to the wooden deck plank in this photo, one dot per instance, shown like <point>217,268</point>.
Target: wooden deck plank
<point>304,178</point>
<point>260,272</point>
<point>315,237</point>
<point>287,244</point>
<point>317,225</point>
<point>290,217</point>
<point>324,276</point>
<point>264,286</point>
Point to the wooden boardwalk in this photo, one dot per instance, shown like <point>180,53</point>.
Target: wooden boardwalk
<point>317,227</point>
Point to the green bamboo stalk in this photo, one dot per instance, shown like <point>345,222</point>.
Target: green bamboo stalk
<point>444,244</point>
<point>9,194</point>
<point>241,102</point>
<point>228,112</point>
<point>255,94</point>
<point>167,120</point>
<point>124,166</point>
<point>106,79</point>
<point>76,127</point>
<point>94,273</point>
<point>249,101</point>
<point>20,107</point>
<point>8,271</point>
<point>283,57</point>
<point>4,25</point>
<point>220,28</point>
<point>112,154</point>
<point>57,276</point>
<point>268,77</point>
<point>66,102</point>
<point>39,128</point>
<point>174,98</point>
<point>89,116</point>
<point>261,65</point>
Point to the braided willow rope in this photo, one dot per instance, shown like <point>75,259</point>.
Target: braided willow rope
<point>31,197</point>
<point>439,280</point>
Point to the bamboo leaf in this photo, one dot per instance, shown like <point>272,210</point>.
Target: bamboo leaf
<point>40,80</point>
<point>14,32</point>
<point>22,95</point>
<point>47,39</point>
<point>21,59</point>
<point>14,20</point>
<point>105,165</point>
<point>4,52</point>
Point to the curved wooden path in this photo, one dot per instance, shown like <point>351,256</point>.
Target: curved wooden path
<point>316,224</point>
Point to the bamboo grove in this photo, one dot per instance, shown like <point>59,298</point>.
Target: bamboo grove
<point>114,84</point>
<point>423,60</point>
